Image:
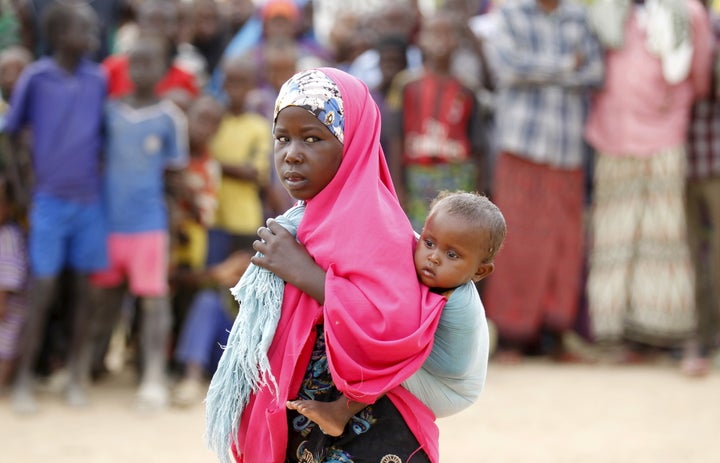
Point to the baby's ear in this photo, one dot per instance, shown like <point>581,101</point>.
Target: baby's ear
<point>483,271</point>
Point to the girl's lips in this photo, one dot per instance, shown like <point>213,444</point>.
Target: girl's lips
<point>293,177</point>
<point>294,182</point>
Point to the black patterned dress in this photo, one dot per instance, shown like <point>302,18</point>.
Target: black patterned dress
<point>377,434</point>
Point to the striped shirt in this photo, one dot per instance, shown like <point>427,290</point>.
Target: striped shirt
<point>13,278</point>
<point>704,131</point>
<point>542,95</point>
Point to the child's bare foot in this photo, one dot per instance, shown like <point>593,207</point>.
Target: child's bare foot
<point>327,415</point>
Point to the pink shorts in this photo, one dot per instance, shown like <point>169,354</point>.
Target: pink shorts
<point>141,258</point>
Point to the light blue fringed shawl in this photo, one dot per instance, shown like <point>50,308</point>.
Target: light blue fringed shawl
<point>244,366</point>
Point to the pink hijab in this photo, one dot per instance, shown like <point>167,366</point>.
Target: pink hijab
<point>379,320</point>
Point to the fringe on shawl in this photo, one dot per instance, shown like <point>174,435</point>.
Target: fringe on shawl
<point>244,366</point>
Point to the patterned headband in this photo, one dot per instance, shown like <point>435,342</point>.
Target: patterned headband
<point>317,93</point>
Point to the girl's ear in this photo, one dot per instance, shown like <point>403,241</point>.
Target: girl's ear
<point>483,271</point>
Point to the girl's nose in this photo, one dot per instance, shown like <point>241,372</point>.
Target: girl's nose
<point>293,154</point>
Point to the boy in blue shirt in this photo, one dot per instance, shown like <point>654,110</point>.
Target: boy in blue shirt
<point>61,98</point>
<point>146,136</point>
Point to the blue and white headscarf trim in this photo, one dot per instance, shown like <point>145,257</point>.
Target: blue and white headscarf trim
<point>315,91</point>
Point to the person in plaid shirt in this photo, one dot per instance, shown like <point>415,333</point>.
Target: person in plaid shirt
<point>703,216</point>
<point>546,60</point>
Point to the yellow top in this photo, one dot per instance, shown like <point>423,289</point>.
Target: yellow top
<point>242,140</point>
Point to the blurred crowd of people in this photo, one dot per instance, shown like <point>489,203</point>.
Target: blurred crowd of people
<point>137,166</point>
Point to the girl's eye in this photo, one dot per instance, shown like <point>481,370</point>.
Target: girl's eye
<point>281,138</point>
<point>311,139</point>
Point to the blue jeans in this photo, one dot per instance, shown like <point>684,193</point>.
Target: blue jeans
<point>205,331</point>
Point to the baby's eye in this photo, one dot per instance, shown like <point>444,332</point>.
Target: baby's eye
<point>428,243</point>
<point>452,255</point>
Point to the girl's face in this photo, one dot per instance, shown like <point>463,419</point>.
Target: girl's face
<point>307,154</point>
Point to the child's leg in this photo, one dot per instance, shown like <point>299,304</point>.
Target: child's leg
<point>155,330</point>
<point>82,342</point>
<point>97,310</point>
<point>199,331</point>
<point>331,417</point>
<point>41,296</point>
<point>196,346</point>
<point>6,368</point>
<point>108,305</point>
<point>147,254</point>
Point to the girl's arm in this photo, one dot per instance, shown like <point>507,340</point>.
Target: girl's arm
<point>288,259</point>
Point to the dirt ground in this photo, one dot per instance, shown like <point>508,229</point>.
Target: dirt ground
<point>533,412</point>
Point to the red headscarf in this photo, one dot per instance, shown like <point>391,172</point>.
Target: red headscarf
<point>379,320</point>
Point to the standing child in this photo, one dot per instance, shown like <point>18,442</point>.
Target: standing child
<point>455,250</point>
<point>344,327</point>
<point>155,17</point>
<point>242,147</point>
<point>205,330</point>
<point>200,183</point>
<point>279,63</point>
<point>61,99</point>
<point>145,136</point>
<point>392,59</point>
<point>195,212</point>
<point>13,281</point>
<point>13,61</point>
<point>440,144</point>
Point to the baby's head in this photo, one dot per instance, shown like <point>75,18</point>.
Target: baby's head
<point>458,243</point>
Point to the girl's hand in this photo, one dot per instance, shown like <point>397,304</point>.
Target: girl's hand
<point>289,260</point>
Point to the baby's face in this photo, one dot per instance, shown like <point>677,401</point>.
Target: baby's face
<point>449,250</point>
